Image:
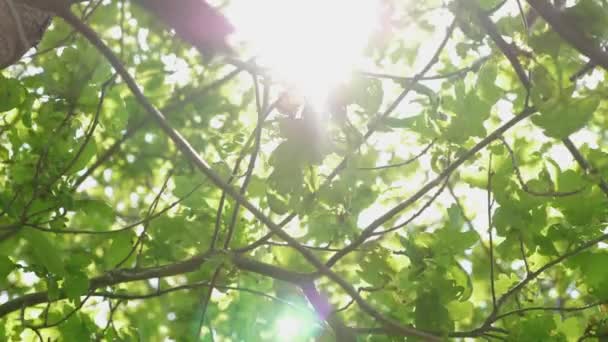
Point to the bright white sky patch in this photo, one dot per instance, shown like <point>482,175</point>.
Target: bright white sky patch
<point>312,45</point>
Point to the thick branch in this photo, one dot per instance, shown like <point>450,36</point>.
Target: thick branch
<point>507,50</point>
<point>569,32</point>
<point>184,146</point>
<point>584,164</point>
<point>122,276</point>
<point>324,310</point>
<point>369,230</point>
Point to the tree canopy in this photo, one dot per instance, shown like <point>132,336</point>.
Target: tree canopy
<point>155,188</point>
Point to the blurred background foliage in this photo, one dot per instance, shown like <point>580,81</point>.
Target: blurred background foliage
<point>90,185</point>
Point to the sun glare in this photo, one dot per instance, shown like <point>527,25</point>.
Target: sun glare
<point>288,327</point>
<point>311,45</point>
<point>296,325</point>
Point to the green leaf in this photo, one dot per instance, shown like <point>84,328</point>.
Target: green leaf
<point>572,327</point>
<point>191,189</point>
<point>460,311</point>
<point>548,42</point>
<point>12,94</point>
<point>505,282</point>
<point>533,328</point>
<point>589,15</point>
<point>86,154</point>
<point>53,288</point>
<point>288,175</point>
<point>488,4</point>
<point>96,214</point>
<point>316,160</point>
<point>367,93</point>
<point>44,252</point>
<point>545,88</point>
<point>575,213</point>
<point>462,280</point>
<point>115,115</point>
<point>567,116</point>
<point>486,83</point>
<point>276,204</point>
<point>75,327</point>
<point>119,249</point>
<point>374,268</point>
<point>431,315</point>
<point>594,274</point>
<point>75,284</point>
<point>470,111</point>
<point>6,267</point>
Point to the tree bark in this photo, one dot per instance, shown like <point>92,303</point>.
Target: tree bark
<point>21,28</point>
<point>23,23</point>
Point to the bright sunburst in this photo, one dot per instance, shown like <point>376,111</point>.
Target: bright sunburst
<point>313,45</point>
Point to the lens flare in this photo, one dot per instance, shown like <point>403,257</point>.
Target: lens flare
<point>311,45</point>
<point>288,327</point>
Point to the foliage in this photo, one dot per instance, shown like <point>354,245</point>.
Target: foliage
<point>455,202</point>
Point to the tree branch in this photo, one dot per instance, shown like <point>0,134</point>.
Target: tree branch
<point>523,184</point>
<point>370,229</point>
<point>324,310</point>
<point>371,130</point>
<point>569,32</point>
<point>584,164</point>
<point>122,276</point>
<point>533,275</point>
<point>184,146</point>
<point>488,25</point>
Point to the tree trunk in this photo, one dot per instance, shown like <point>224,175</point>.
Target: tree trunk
<point>21,28</point>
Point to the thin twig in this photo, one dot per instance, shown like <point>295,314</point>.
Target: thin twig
<point>261,108</point>
<point>490,235</point>
<point>175,104</point>
<point>64,318</point>
<point>570,33</point>
<point>525,186</point>
<point>584,164</point>
<point>417,214</point>
<point>404,163</point>
<point>547,308</point>
<point>151,209</point>
<point>508,50</point>
<point>522,249</point>
<point>448,75</point>
<point>193,286</point>
<point>114,231</point>
<point>533,275</point>
<point>366,232</point>
<point>89,135</point>
<point>524,20</point>
<point>192,155</point>
<point>371,130</point>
